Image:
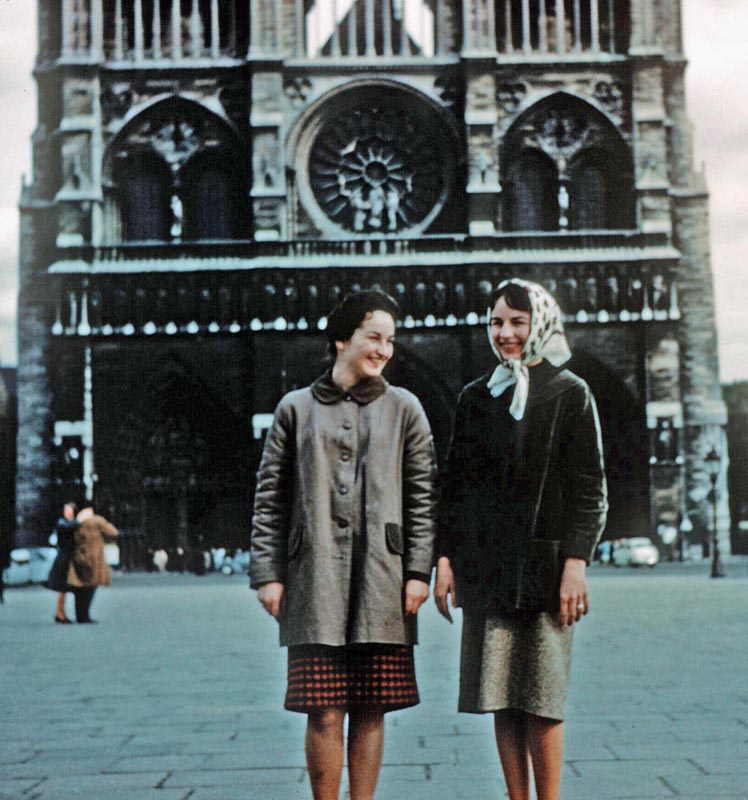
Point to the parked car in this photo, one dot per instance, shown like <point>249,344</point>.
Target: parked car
<point>636,552</point>
<point>29,565</point>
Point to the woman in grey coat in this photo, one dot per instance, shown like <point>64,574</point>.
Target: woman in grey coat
<point>342,544</point>
<point>524,502</point>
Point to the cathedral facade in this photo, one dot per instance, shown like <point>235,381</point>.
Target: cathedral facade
<point>210,177</point>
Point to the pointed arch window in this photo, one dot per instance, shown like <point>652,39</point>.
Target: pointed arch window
<point>566,167</point>
<point>176,172</point>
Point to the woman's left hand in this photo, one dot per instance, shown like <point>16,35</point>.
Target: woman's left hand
<point>574,599</point>
<point>416,593</point>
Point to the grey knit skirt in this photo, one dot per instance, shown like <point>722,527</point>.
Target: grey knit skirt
<point>519,662</point>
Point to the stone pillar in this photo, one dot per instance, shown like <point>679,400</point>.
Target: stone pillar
<point>481,118</point>
<point>268,171</point>
<point>34,461</point>
<point>665,423</point>
<point>34,490</point>
<point>651,145</point>
<point>119,46</point>
<point>215,30</point>
<point>156,28</point>
<point>68,27</point>
<point>97,30</point>
<point>139,36</point>
<point>176,29</point>
<point>704,409</point>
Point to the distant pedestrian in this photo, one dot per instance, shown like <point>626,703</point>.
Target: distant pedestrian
<point>342,544</point>
<point>88,567</point>
<point>524,503</point>
<point>57,580</point>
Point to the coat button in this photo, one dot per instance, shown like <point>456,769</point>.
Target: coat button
<point>347,425</point>
<point>343,490</point>
<point>342,523</point>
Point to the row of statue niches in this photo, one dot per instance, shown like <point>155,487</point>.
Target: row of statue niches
<point>192,309</point>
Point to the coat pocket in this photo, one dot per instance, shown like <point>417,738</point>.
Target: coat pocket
<point>394,536</point>
<point>294,541</point>
<point>541,585</point>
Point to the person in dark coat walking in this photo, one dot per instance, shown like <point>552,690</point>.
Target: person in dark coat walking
<point>342,544</point>
<point>524,502</point>
<point>57,580</point>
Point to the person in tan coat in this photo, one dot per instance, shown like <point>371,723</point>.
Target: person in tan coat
<point>88,567</point>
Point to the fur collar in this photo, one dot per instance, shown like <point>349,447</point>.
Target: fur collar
<point>326,391</point>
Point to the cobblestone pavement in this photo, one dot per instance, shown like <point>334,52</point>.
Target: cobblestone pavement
<point>177,693</point>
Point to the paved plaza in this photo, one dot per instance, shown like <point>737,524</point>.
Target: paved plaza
<point>177,693</point>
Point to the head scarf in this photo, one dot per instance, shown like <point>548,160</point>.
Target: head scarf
<point>546,340</point>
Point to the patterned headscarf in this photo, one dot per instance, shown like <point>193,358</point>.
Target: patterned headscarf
<point>546,340</point>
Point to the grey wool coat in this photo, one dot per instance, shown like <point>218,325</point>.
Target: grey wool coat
<point>344,509</point>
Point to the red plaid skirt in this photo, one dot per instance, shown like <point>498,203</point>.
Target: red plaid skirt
<point>381,676</point>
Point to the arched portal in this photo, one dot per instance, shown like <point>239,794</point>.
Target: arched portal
<point>626,447</point>
<point>176,469</point>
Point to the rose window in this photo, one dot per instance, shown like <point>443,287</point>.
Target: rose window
<point>380,167</point>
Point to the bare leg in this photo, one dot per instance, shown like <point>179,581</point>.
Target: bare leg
<point>365,746</point>
<point>60,613</point>
<point>511,740</point>
<point>545,739</point>
<point>324,752</point>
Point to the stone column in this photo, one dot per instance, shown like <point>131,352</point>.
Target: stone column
<point>119,48</point>
<point>97,30</point>
<point>665,423</point>
<point>651,145</point>
<point>156,28</point>
<point>34,493</point>
<point>176,29</point>
<point>481,119</point>
<point>594,26</point>
<point>560,27</point>
<point>269,175</point>
<point>68,27</point>
<point>139,31</point>
<point>215,30</point>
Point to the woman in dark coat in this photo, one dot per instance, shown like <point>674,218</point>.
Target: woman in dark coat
<point>342,544</point>
<point>57,580</point>
<point>524,503</point>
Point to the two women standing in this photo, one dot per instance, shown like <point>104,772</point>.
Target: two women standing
<point>343,531</point>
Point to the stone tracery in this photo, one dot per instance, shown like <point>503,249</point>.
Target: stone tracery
<point>377,169</point>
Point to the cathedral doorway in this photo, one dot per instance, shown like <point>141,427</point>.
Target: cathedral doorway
<point>626,447</point>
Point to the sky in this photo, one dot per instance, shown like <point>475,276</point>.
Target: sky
<point>717,101</point>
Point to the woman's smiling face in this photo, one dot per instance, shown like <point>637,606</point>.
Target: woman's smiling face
<point>367,352</point>
<point>509,329</point>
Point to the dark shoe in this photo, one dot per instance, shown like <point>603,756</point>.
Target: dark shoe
<point>63,621</point>
<point>86,621</point>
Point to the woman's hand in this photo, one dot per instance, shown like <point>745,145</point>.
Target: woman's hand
<point>444,587</point>
<point>271,596</point>
<point>416,593</point>
<point>574,599</point>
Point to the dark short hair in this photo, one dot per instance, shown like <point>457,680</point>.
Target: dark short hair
<point>85,504</point>
<point>351,312</point>
<point>516,297</point>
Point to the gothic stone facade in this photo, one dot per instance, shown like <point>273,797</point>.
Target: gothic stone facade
<point>210,177</point>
